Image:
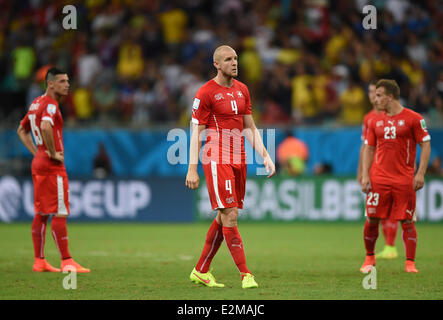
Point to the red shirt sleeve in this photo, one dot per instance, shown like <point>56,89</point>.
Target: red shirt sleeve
<point>371,138</point>
<point>364,128</point>
<point>25,123</point>
<point>247,101</point>
<point>49,112</point>
<point>201,108</point>
<point>419,129</point>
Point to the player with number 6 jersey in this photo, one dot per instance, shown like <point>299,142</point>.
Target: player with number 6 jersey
<point>51,196</point>
<point>45,108</point>
<point>388,178</point>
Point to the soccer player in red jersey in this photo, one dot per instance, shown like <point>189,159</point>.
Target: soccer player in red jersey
<point>390,225</point>
<point>51,198</point>
<point>389,178</point>
<point>222,110</point>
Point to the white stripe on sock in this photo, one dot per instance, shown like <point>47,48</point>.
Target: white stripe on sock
<point>210,251</point>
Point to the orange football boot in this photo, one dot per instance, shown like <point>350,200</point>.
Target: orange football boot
<point>41,265</point>
<point>369,262</point>
<point>70,264</point>
<point>410,266</point>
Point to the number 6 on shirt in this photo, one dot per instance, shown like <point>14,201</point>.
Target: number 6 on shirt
<point>35,130</point>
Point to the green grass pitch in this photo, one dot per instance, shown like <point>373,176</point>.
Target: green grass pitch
<point>153,262</point>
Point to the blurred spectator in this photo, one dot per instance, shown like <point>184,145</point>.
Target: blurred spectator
<point>320,83</point>
<point>250,63</point>
<point>416,50</point>
<point>130,60</point>
<point>397,8</point>
<point>297,57</point>
<point>34,90</point>
<point>435,167</point>
<point>304,106</point>
<point>144,100</point>
<point>126,103</point>
<point>23,61</point>
<point>107,48</point>
<point>38,86</point>
<point>174,21</point>
<point>151,39</point>
<point>277,107</point>
<point>109,18</point>
<point>340,78</point>
<point>337,42</point>
<point>88,66</point>
<point>82,103</point>
<point>105,100</point>
<point>322,169</point>
<point>353,104</point>
<point>42,44</point>
<point>102,163</point>
<point>292,155</point>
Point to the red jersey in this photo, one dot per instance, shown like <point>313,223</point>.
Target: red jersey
<point>222,109</point>
<point>395,139</point>
<point>45,108</point>
<point>366,122</point>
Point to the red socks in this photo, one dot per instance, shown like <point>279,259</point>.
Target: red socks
<point>38,230</point>
<point>235,246</point>
<point>389,228</point>
<point>60,235</point>
<point>409,235</point>
<point>370,233</point>
<point>214,239</point>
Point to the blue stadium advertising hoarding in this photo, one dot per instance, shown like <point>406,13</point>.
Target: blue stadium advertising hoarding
<point>148,200</point>
<point>324,198</point>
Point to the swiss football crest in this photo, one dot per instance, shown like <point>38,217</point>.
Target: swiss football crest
<point>219,96</point>
<point>239,94</point>
<point>379,123</point>
<point>401,123</point>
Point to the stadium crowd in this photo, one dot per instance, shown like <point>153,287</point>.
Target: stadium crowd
<point>140,63</point>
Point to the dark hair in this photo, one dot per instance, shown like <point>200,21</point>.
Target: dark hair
<point>52,72</point>
<point>391,87</point>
